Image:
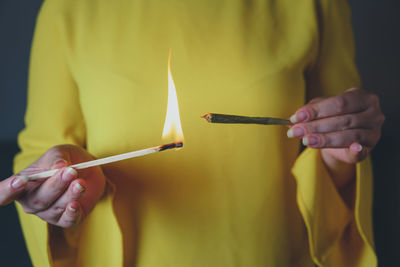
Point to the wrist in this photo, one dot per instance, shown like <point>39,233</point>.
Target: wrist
<point>342,173</point>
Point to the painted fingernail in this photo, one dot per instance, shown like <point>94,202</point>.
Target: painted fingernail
<point>356,147</point>
<point>298,117</point>
<point>78,188</point>
<point>59,164</point>
<point>68,174</point>
<point>310,140</point>
<point>19,182</point>
<point>295,132</point>
<point>71,209</point>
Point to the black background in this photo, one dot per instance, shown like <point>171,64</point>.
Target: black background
<point>376,28</point>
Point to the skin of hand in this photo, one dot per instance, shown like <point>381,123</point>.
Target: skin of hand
<point>345,128</point>
<point>63,199</point>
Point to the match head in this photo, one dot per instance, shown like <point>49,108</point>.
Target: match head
<point>179,144</point>
<point>172,145</point>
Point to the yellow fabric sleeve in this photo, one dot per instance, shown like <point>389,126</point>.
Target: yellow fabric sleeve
<point>54,117</point>
<point>337,236</point>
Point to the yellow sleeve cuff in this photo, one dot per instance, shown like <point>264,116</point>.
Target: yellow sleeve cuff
<point>327,218</point>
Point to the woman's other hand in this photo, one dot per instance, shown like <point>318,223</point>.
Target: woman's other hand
<point>63,199</point>
<point>345,127</point>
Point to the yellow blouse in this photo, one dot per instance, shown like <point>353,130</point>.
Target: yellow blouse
<point>235,195</point>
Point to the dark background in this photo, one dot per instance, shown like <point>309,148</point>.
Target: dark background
<point>376,27</point>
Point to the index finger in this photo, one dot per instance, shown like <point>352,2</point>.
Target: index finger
<point>352,101</point>
<point>11,188</point>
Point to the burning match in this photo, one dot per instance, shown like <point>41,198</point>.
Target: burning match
<point>172,130</point>
<point>98,162</point>
<point>223,118</point>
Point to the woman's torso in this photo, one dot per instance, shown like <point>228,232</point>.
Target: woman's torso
<point>228,197</point>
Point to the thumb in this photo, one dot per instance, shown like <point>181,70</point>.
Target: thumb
<point>357,152</point>
<point>11,188</point>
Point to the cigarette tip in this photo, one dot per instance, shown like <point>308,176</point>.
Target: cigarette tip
<point>207,117</point>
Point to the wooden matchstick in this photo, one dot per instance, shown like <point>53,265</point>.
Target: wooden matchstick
<point>223,118</point>
<point>107,160</point>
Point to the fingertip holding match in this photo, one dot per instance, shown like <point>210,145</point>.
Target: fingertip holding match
<point>59,164</point>
<point>78,189</point>
<point>68,174</point>
<point>19,181</point>
<point>72,209</point>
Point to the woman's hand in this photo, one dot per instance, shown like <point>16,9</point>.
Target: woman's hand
<point>345,127</point>
<point>64,199</point>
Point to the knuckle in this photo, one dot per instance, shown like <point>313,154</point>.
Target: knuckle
<point>315,100</point>
<point>355,89</point>
<point>39,204</point>
<point>374,99</point>
<point>312,111</point>
<point>28,210</point>
<point>307,127</point>
<point>340,104</point>
<point>59,149</point>
<point>347,122</point>
<point>65,147</point>
<point>49,215</point>
<point>311,128</point>
<point>359,92</point>
<point>58,209</point>
<point>323,140</point>
<point>53,150</point>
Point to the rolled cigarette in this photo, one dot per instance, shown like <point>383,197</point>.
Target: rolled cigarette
<point>223,118</point>
<point>107,160</point>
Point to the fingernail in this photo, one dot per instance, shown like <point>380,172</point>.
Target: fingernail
<point>59,164</point>
<point>293,118</point>
<point>71,209</point>
<point>356,147</point>
<point>295,132</point>
<point>299,117</point>
<point>19,182</point>
<point>68,174</point>
<point>78,188</point>
<point>310,140</point>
